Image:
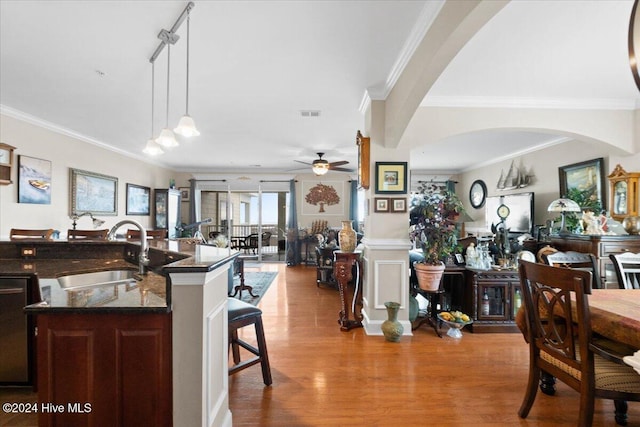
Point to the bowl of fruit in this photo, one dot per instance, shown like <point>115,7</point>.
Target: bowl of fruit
<point>456,320</point>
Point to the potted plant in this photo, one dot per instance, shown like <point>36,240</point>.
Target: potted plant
<point>433,216</point>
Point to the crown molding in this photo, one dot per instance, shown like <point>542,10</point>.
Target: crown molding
<point>523,102</point>
<point>36,121</point>
<point>427,15</point>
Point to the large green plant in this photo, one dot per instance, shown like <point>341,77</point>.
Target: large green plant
<point>433,218</point>
<point>587,201</point>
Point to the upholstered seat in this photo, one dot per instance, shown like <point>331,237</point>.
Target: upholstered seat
<point>19,234</point>
<point>151,234</point>
<point>87,234</point>
<point>242,314</point>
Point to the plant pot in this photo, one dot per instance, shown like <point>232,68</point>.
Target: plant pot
<point>429,276</point>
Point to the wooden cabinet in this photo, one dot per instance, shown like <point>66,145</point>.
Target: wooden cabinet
<point>491,299</point>
<point>624,193</point>
<point>105,369</point>
<point>167,211</point>
<point>601,247</point>
<point>6,163</point>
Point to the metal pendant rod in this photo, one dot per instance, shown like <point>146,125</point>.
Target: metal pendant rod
<point>171,36</point>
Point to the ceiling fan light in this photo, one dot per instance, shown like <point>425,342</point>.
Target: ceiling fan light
<point>320,167</point>
<point>186,127</point>
<point>167,138</point>
<point>152,148</point>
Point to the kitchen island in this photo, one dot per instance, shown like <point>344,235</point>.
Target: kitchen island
<point>147,350</point>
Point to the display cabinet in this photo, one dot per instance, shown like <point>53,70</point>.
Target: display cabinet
<point>167,211</point>
<point>493,300</point>
<point>6,163</point>
<point>324,272</point>
<point>623,191</point>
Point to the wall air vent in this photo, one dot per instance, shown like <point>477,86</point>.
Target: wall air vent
<point>310,113</point>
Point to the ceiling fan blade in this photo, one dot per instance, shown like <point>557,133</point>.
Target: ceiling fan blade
<point>343,169</point>
<point>304,163</point>
<point>340,163</point>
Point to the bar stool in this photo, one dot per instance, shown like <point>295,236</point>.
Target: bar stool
<point>242,314</point>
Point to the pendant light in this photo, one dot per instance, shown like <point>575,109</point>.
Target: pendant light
<point>186,126</point>
<point>152,148</point>
<point>167,138</point>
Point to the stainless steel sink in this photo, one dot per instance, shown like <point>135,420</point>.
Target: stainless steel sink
<point>98,278</point>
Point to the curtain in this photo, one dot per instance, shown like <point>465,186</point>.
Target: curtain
<point>353,205</point>
<point>293,243</point>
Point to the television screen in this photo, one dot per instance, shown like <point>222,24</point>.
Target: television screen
<point>520,219</point>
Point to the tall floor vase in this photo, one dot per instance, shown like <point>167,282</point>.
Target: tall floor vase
<point>392,328</point>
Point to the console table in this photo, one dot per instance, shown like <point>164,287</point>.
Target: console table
<point>344,265</point>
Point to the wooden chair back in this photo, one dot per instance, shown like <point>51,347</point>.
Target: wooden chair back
<point>577,260</point>
<point>151,234</point>
<point>627,266</point>
<point>560,339</point>
<point>87,234</point>
<point>25,234</point>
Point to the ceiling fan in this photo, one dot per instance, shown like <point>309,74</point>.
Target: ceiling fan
<point>321,166</point>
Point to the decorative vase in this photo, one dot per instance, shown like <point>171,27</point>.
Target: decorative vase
<point>414,308</point>
<point>347,237</point>
<point>429,276</point>
<point>392,328</point>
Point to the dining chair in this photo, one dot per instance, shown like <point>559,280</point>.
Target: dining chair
<point>24,234</point>
<point>579,260</point>
<point>87,234</point>
<point>151,234</point>
<point>627,266</point>
<point>559,335</point>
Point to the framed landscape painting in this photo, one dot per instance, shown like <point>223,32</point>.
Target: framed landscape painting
<point>138,199</point>
<point>93,192</point>
<point>583,182</point>
<point>34,180</point>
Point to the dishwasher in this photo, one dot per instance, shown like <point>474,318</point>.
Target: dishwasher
<point>16,328</point>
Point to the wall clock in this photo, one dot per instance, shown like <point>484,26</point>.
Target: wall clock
<point>363,160</point>
<point>503,211</point>
<point>478,193</point>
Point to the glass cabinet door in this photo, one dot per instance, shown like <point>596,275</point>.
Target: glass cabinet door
<point>492,300</point>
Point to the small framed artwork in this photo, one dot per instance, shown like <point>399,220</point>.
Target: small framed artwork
<point>391,177</point>
<point>93,192</point>
<point>583,181</point>
<point>185,193</point>
<point>34,180</point>
<point>138,199</point>
<point>381,204</point>
<point>458,259</point>
<point>398,205</point>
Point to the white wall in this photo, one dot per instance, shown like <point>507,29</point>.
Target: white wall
<point>66,152</point>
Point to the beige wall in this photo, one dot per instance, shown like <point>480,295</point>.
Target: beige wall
<point>66,152</point>
<point>543,165</point>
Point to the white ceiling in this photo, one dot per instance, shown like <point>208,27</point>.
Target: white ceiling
<point>255,64</point>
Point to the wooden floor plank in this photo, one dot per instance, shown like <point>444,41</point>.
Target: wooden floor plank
<point>325,377</point>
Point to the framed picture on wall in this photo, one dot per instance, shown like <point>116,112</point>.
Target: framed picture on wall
<point>93,192</point>
<point>34,180</point>
<point>583,182</point>
<point>398,205</point>
<point>185,193</point>
<point>138,199</point>
<point>381,204</point>
<point>391,178</point>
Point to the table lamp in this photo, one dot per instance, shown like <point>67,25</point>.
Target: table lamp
<point>563,206</point>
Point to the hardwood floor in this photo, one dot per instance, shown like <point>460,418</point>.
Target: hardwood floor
<point>325,377</point>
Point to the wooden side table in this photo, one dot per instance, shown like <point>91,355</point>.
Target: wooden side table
<point>239,288</point>
<point>351,306</point>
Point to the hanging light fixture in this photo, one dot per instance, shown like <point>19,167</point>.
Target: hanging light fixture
<point>320,166</point>
<point>167,138</point>
<point>186,125</point>
<point>152,148</point>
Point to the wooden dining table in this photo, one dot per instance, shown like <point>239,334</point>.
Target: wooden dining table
<point>615,314</point>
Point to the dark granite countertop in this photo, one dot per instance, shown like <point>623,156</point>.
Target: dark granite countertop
<point>147,293</point>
